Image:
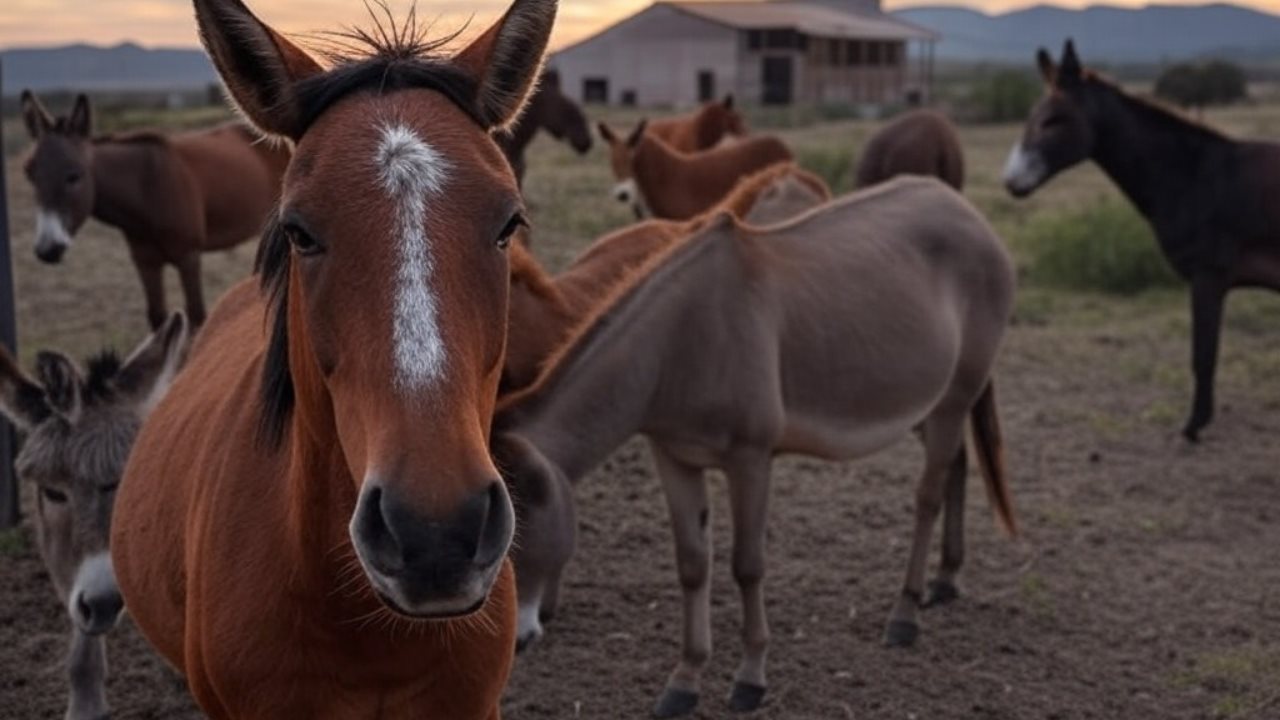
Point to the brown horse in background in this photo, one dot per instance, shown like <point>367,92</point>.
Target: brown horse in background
<point>702,129</point>
<point>920,142</point>
<point>655,178</point>
<point>913,291</point>
<point>544,309</point>
<point>311,524</point>
<point>551,110</point>
<point>173,196</point>
<point>1213,202</point>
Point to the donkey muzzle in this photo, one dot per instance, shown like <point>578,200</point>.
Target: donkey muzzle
<point>95,603</point>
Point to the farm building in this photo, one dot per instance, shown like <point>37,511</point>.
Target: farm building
<point>777,52</point>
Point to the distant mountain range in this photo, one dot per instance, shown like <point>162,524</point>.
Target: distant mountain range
<point>1153,34</point>
<point>1157,33</point>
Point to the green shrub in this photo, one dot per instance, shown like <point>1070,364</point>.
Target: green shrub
<point>1107,247</point>
<point>1216,82</point>
<point>1003,96</point>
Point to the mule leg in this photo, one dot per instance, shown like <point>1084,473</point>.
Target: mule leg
<point>1208,293</point>
<point>192,288</point>
<point>749,500</point>
<point>151,273</point>
<point>686,492</point>
<point>942,589</point>
<point>87,671</point>
<point>943,436</point>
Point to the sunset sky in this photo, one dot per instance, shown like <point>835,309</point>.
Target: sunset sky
<point>169,22</point>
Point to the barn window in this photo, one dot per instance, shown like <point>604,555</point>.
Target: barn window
<point>873,53</point>
<point>833,52</point>
<point>755,40</point>
<point>853,53</point>
<point>893,54</point>
<point>628,98</point>
<point>595,90</point>
<point>706,86</point>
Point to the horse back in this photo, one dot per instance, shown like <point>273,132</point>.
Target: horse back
<point>236,178</point>
<point>922,142</point>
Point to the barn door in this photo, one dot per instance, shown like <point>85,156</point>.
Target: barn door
<point>778,79</point>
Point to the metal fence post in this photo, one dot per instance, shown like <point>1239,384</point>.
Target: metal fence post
<point>9,511</point>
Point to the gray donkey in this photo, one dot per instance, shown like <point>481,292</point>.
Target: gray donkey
<point>78,430</point>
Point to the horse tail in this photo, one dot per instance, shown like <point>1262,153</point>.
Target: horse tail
<point>985,424</point>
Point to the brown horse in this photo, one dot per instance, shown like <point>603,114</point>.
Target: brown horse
<point>545,309</point>
<point>920,142</point>
<point>702,129</point>
<point>78,428</point>
<point>551,110</point>
<point>173,196</point>
<point>1211,200</point>
<point>655,178</point>
<point>311,524</point>
<point>914,291</point>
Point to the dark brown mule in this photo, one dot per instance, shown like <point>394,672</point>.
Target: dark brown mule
<point>655,178</point>
<point>920,142</point>
<point>77,429</point>
<point>551,110</point>
<point>173,196</point>
<point>311,525</point>
<point>702,129</point>
<point>914,292</point>
<point>1213,202</point>
<point>544,309</point>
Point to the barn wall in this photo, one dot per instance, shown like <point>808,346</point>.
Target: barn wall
<point>658,54</point>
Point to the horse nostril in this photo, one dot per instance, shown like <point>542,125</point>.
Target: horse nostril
<point>84,608</point>
<point>496,530</point>
<point>97,613</point>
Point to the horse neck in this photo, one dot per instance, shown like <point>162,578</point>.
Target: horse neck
<point>598,391</point>
<point>1152,155</point>
<point>708,128</point>
<point>654,165</point>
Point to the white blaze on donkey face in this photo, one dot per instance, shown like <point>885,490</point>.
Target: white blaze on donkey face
<point>413,173</point>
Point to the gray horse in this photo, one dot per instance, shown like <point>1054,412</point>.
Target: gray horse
<point>78,430</point>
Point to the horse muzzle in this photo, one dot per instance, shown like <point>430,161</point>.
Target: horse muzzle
<point>432,568</point>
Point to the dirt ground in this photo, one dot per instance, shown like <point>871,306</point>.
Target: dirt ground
<point>1146,585</point>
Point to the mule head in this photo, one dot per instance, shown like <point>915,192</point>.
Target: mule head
<point>622,158</point>
<point>724,119</point>
<point>387,268</point>
<point>1059,132</point>
<point>561,116</point>
<point>79,428</point>
<point>547,532</point>
<point>60,170</point>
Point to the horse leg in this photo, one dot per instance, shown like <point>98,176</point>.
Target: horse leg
<point>151,273</point>
<point>87,671</point>
<point>686,492</point>
<point>942,589</point>
<point>189,272</point>
<point>1208,293</point>
<point>943,437</point>
<point>749,500</point>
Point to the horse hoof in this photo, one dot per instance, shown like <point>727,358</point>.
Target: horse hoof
<point>746,697</point>
<point>941,592</point>
<point>901,634</point>
<point>675,703</point>
<point>525,642</point>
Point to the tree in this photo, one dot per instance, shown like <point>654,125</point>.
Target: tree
<point>1200,85</point>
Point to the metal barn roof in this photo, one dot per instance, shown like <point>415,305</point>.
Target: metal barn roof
<point>808,18</point>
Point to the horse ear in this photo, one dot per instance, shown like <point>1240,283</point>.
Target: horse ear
<point>1069,70</point>
<point>506,60</point>
<point>638,134</point>
<point>37,119</point>
<point>607,132</point>
<point>257,64</point>
<point>62,384</point>
<point>147,374</point>
<point>728,102</point>
<point>80,122</point>
<point>21,399</point>
<point>1048,70</point>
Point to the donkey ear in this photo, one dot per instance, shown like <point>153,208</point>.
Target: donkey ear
<point>62,384</point>
<point>728,102</point>
<point>1048,70</point>
<point>37,119</point>
<point>149,371</point>
<point>80,122</point>
<point>607,132</point>
<point>638,134</point>
<point>1070,70</point>
<point>506,60</point>
<point>257,64</point>
<point>21,399</point>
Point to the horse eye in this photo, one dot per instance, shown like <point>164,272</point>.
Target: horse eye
<point>54,496</point>
<point>301,241</point>
<point>104,489</point>
<point>516,222</point>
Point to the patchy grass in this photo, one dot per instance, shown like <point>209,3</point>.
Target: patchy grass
<point>13,542</point>
<point>1244,681</point>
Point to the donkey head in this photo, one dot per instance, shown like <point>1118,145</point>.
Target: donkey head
<point>60,171</point>
<point>1059,132</point>
<point>622,158</point>
<point>79,427</point>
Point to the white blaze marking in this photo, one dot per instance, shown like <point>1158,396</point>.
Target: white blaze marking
<point>50,230</point>
<point>1024,170</point>
<point>413,172</point>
